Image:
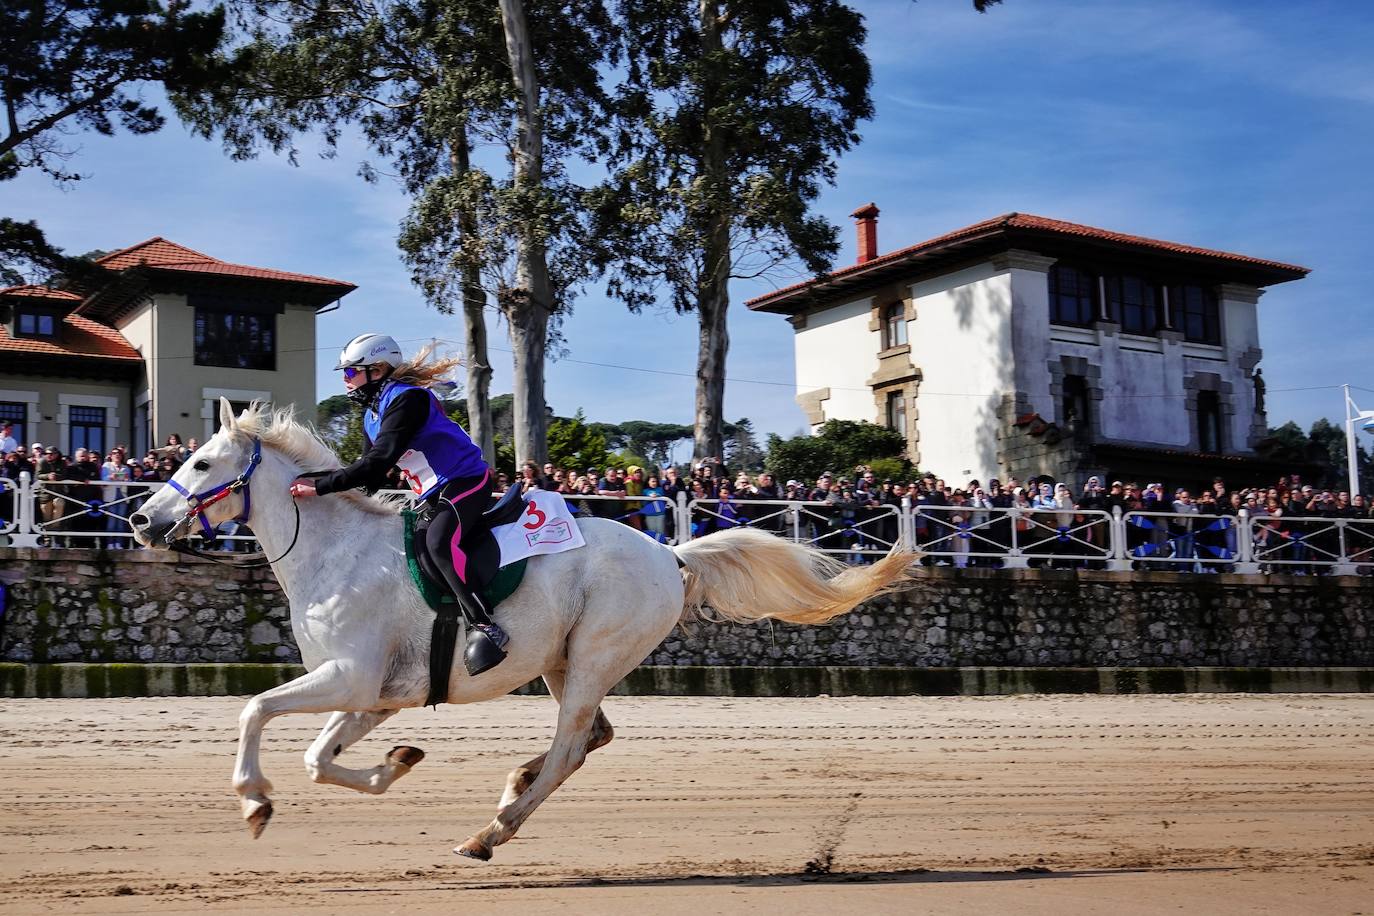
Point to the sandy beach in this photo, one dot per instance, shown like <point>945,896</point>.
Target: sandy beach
<point>1038,804</point>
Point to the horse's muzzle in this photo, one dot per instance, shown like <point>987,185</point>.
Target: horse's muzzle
<point>149,534</point>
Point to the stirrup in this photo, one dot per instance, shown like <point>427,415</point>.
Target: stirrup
<point>486,648</point>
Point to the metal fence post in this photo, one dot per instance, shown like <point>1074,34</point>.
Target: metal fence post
<point>1343,566</point>
<point>684,518</point>
<point>1015,559</point>
<point>1119,562</point>
<point>906,526</point>
<point>26,534</point>
<point>1245,543</point>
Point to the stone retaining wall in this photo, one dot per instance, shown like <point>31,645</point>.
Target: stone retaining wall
<point>89,605</point>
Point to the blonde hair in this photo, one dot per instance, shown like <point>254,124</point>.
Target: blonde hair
<point>424,369</point>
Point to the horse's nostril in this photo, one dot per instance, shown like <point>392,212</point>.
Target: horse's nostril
<point>138,520</point>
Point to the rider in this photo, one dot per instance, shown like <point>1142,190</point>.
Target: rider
<point>405,426</point>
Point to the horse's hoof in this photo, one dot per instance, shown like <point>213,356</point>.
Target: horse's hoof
<point>258,817</point>
<point>405,755</point>
<point>474,849</point>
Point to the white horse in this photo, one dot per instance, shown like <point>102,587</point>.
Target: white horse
<point>582,619</point>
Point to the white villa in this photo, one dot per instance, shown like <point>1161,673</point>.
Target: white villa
<point>1026,345</point>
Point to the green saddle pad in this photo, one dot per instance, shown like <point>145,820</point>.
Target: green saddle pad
<point>501,587</point>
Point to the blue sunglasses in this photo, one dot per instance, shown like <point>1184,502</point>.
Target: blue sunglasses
<point>352,372</point>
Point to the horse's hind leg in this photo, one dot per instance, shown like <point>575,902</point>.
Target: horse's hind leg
<point>576,716</point>
<point>342,731</point>
<point>522,777</point>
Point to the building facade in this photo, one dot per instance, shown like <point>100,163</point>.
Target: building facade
<point>147,347</point>
<point>1025,345</point>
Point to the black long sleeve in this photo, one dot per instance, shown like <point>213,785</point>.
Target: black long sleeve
<point>402,420</point>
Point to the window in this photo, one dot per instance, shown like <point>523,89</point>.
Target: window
<point>1134,302</point>
<point>894,325</point>
<point>1073,296</point>
<point>87,429</point>
<point>896,411</point>
<point>30,323</point>
<point>236,340</point>
<point>1209,422</point>
<point>1076,401</point>
<point>15,413</point>
<point>1196,313</point>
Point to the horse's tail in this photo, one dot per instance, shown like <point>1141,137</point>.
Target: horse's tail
<point>745,574</point>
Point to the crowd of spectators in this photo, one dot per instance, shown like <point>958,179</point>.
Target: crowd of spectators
<point>85,492</point>
<point>1057,525</point>
<point>854,513</point>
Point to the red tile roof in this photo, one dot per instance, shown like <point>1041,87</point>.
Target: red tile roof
<point>1041,225</point>
<point>161,254</point>
<point>80,337</point>
<point>39,292</point>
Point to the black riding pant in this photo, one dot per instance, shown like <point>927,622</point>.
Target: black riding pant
<point>450,515</point>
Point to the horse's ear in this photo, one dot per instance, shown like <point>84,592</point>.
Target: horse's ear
<point>226,415</point>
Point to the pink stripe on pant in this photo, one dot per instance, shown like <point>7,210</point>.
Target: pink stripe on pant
<point>460,559</point>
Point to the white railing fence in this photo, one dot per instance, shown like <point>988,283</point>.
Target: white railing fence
<point>78,513</point>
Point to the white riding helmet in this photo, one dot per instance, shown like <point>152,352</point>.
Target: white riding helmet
<point>367,349</point>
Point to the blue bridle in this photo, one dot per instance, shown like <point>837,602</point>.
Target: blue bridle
<point>199,502</point>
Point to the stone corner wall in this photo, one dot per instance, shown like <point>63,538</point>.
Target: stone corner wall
<point>85,604</point>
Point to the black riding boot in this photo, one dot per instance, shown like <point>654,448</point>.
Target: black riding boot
<point>486,646</point>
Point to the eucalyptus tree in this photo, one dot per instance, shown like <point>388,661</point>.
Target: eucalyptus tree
<point>732,115</point>
<point>428,84</point>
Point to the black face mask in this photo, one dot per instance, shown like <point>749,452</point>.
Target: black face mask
<point>364,395</point>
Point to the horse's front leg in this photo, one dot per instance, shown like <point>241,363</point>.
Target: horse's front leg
<point>340,733</point>
<point>329,687</point>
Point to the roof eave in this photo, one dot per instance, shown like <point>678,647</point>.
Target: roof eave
<point>821,290</point>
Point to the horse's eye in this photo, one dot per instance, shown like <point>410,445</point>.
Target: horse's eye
<point>202,466</point>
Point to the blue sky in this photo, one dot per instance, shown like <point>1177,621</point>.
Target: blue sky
<point>1245,126</point>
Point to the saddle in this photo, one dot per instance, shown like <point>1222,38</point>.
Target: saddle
<point>487,577</point>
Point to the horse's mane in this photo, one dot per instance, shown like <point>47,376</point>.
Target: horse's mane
<point>281,430</point>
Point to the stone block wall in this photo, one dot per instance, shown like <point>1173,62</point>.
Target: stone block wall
<point>1045,618</point>
<point>82,604</point>
<point>90,605</point>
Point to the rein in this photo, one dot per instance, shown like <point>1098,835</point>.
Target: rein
<point>182,547</point>
<point>198,502</point>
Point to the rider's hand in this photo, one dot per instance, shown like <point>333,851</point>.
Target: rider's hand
<point>303,488</point>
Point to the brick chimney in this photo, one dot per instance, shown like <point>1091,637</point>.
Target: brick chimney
<point>867,223</point>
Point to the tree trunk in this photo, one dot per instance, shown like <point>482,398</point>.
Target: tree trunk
<point>477,361</point>
<point>713,292</point>
<point>529,305</point>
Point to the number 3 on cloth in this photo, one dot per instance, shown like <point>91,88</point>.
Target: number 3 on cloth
<point>537,514</point>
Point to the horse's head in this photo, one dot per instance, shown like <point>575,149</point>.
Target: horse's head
<point>169,513</point>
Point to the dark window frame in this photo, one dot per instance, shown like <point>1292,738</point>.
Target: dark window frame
<point>39,317</point>
<point>1210,423</point>
<point>235,339</point>
<point>1196,311</point>
<point>893,321</point>
<point>1074,296</point>
<point>896,411</point>
<point>1076,401</point>
<point>1135,302</point>
<point>86,425</point>
<point>17,414</point>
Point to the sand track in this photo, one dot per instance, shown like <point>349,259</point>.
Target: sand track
<point>1039,804</point>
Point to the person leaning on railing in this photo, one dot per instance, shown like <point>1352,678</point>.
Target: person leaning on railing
<point>14,464</point>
